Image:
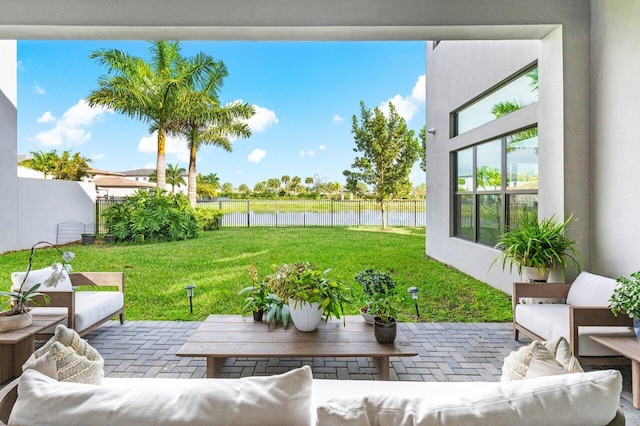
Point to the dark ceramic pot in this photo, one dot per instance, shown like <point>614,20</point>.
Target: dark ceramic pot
<point>257,315</point>
<point>385,332</point>
<point>88,239</point>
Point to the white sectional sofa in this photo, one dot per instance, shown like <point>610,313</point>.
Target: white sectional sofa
<point>585,313</point>
<point>295,398</point>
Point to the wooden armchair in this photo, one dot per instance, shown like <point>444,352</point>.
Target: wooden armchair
<point>574,321</point>
<point>87,310</point>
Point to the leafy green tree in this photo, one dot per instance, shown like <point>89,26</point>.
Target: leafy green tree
<point>41,161</point>
<point>388,150</point>
<point>489,177</point>
<point>207,186</point>
<point>244,189</point>
<point>175,176</point>
<point>227,188</point>
<point>422,153</point>
<point>308,181</point>
<point>149,90</point>
<point>295,184</point>
<point>273,185</point>
<point>260,187</point>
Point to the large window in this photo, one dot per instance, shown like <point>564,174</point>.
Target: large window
<point>517,93</point>
<point>496,185</point>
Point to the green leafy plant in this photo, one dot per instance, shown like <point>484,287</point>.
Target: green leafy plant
<point>277,310</point>
<point>21,302</point>
<point>209,219</point>
<point>314,286</point>
<point>538,244</point>
<point>152,216</point>
<point>257,293</point>
<point>375,285</point>
<point>626,296</point>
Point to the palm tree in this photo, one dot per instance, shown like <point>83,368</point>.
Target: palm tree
<point>260,187</point>
<point>41,161</point>
<point>295,184</point>
<point>174,176</point>
<point>273,184</point>
<point>202,121</point>
<point>244,189</point>
<point>309,182</point>
<point>148,91</point>
<point>285,181</point>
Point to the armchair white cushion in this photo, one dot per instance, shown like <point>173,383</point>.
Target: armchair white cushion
<point>590,290</point>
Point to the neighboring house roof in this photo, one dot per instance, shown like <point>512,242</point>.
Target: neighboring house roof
<point>120,182</point>
<point>103,172</point>
<point>138,172</point>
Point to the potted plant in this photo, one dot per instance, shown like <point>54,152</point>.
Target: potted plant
<point>256,301</point>
<point>626,299</point>
<point>375,285</point>
<point>536,247</point>
<point>384,322</point>
<point>20,301</point>
<point>281,283</point>
<point>308,292</point>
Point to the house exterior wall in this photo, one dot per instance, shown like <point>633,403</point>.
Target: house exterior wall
<point>615,89</point>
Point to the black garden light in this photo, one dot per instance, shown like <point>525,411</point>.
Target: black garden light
<point>413,291</point>
<point>189,289</point>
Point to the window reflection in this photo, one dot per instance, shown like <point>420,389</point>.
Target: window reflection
<point>518,93</point>
<point>488,173</point>
<point>522,160</point>
<point>464,168</point>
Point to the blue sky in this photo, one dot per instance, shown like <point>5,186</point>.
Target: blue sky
<point>305,94</point>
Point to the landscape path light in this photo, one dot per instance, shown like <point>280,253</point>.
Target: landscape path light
<point>413,291</point>
<point>189,289</point>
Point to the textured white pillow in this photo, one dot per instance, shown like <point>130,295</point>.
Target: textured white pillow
<point>68,358</point>
<point>571,399</point>
<point>260,401</point>
<point>40,276</point>
<point>538,359</point>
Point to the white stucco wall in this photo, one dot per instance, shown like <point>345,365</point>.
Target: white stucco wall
<point>43,204</point>
<point>8,154</point>
<point>615,88</point>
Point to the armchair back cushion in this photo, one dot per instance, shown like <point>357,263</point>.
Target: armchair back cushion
<point>38,276</point>
<point>590,290</point>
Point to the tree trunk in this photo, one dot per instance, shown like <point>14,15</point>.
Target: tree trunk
<point>383,212</point>
<point>192,192</point>
<point>161,165</point>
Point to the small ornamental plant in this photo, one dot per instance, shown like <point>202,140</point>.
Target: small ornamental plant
<point>20,302</point>
<point>626,296</point>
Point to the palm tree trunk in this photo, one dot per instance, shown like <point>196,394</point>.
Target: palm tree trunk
<point>192,191</point>
<point>161,165</point>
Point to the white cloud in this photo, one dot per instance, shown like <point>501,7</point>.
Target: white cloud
<point>406,106</point>
<point>47,117</point>
<point>97,156</point>
<point>322,147</point>
<point>262,119</point>
<point>338,119</point>
<point>302,153</point>
<point>257,155</point>
<point>71,130</point>
<point>309,153</point>
<point>39,90</point>
<point>173,146</point>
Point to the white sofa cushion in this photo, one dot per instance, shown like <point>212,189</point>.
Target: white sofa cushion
<point>539,359</point>
<point>91,307</point>
<point>552,321</point>
<point>571,399</point>
<point>271,400</point>
<point>40,276</point>
<point>590,290</point>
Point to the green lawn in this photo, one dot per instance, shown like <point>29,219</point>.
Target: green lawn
<point>216,263</point>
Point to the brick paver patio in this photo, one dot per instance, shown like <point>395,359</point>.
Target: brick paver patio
<point>447,352</point>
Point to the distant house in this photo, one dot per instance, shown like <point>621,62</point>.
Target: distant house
<point>143,175</point>
<point>115,184</point>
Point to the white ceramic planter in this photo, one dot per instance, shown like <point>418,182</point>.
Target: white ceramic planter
<point>531,275</point>
<point>305,316</point>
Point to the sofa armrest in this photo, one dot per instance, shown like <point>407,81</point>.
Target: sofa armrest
<point>59,299</point>
<point>593,316</point>
<point>552,290</point>
<point>101,279</point>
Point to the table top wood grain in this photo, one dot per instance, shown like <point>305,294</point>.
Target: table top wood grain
<point>40,322</point>
<point>223,336</point>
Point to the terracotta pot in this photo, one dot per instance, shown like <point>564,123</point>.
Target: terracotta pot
<point>15,322</point>
<point>385,332</point>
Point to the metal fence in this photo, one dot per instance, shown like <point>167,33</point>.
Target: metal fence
<point>300,213</point>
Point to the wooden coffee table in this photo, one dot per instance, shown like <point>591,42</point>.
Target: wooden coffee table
<point>17,346</point>
<point>224,336</point>
<point>629,347</point>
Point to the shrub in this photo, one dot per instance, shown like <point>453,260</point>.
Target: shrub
<point>152,215</point>
<point>209,219</point>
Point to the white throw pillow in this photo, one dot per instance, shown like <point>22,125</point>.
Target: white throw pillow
<point>539,359</point>
<point>68,358</point>
<point>571,399</point>
<point>260,401</point>
<point>590,290</point>
<point>40,276</point>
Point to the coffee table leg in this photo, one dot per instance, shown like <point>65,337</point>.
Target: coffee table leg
<point>382,364</point>
<point>214,365</point>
